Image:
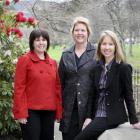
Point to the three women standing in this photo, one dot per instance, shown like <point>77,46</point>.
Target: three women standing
<point>74,69</point>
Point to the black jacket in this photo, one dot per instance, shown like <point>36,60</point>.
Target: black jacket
<point>118,92</point>
<point>75,82</point>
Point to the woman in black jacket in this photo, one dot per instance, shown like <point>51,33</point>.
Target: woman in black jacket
<point>112,86</point>
<point>75,66</point>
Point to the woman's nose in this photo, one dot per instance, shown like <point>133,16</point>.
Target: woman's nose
<point>41,41</point>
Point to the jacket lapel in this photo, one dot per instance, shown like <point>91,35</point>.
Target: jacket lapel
<point>71,62</point>
<point>111,73</point>
<point>83,59</point>
<point>98,75</point>
<point>86,56</point>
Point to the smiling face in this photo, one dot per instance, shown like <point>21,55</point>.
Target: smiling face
<point>80,33</point>
<point>40,45</point>
<point>107,48</point>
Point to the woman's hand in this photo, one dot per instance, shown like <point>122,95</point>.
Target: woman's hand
<point>22,120</point>
<point>137,125</point>
<point>57,120</point>
<point>87,121</point>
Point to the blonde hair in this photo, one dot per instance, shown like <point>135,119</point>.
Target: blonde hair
<point>119,56</point>
<point>84,21</point>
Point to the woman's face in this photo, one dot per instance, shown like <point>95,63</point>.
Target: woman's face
<point>80,34</point>
<point>107,48</point>
<point>40,45</point>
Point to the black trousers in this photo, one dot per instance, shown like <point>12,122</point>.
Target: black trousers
<point>40,125</point>
<point>94,129</point>
<point>74,127</point>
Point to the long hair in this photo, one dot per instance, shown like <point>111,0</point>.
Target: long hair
<point>119,56</point>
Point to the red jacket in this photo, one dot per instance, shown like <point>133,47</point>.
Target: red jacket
<point>37,86</point>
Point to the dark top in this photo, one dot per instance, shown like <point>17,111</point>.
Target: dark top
<point>118,94</point>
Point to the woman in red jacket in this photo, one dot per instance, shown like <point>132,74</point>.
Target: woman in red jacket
<point>37,91</point>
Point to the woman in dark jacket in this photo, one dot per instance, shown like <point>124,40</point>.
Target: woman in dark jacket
<point>74,69</point>
<point>112,86</point>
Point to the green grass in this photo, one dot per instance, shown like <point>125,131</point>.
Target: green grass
<point>56,52</point>
<point>135,59</point>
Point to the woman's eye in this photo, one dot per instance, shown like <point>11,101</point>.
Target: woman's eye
<point>83,30</point>
<point>76,30</point>
<point>111,44</point>
<point>43,39</point>
<point>103,43</point>
<point>36,39</point>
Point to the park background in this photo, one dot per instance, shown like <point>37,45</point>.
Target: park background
<point>56,16</point>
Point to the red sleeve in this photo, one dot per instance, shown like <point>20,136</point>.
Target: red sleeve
<point>59,96</point>
<point>20,102</point>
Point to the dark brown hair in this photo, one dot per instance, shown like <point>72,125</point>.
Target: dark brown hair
<point>36,34</point>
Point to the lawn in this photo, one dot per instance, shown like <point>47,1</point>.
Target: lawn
<point>56,52</point>
<point>135,59</point>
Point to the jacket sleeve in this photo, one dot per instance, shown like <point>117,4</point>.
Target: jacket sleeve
<point>59,96</point>
<point>61,70</point>
<point>126,74</point>
<point>20,102</point>
<point>91,99</point>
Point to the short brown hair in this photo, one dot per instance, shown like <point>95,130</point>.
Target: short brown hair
<point>37,33</point>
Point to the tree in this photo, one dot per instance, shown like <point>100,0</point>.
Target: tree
<point>133,26</point>
<point>114,8</point>
<point>125,19</point>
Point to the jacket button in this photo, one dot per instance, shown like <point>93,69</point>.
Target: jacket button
<point>41,71</point>
<point>108,104</point>
<point>79,102</point>
<point>79,93</point>
<point>106,94</point>
<point>78,84</point>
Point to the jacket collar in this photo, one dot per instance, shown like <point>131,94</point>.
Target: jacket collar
<point>33,56</point>
<point>111,73</point>
<point>85,58</point>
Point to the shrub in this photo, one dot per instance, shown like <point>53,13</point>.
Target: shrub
<point>11,47</point>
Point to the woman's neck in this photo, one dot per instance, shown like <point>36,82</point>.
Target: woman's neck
<point>81,46</point>
<point>108,60</point>
<point>40,55</point>
<point>80,49</point>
